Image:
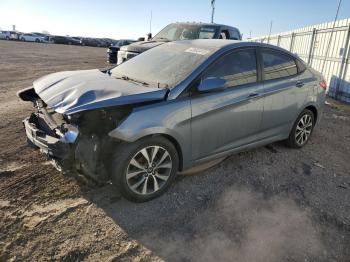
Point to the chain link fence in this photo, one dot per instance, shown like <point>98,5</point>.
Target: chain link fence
<point>325,49</point>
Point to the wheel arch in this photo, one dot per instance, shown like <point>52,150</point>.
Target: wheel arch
<point>177,147</point>
<point>314,110</point>
<point>173,140</point>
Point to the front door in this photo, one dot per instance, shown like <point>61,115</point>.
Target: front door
<point>230,118</point>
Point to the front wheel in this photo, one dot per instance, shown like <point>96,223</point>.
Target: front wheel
<point>144,169</point>
<point>302,129</point>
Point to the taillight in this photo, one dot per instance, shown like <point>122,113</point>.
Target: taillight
<point>323,84</point>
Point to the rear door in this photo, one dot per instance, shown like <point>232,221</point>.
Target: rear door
<point>284,92</point>
<point>227,119</point>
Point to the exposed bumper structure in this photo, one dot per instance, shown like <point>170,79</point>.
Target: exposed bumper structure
<point>50,145</point>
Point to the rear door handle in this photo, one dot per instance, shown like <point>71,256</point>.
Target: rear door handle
<point>299,84</point>
<point>252,95</point>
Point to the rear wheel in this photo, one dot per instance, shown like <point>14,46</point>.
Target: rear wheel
<point>144,170</point>
<point>302,129</point>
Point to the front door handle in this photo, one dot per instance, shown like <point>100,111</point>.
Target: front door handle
<point>299,84</point>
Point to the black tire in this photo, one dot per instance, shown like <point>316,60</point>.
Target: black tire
<point>22,39</point>
<point>292,140</point>
<point>121,162</point>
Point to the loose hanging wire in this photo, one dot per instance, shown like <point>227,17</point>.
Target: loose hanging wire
<point>331,36</point>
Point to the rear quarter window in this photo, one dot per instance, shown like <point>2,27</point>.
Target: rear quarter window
<point>277,65</point>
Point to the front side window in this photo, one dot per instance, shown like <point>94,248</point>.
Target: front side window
<point>223,35</point>
<point>278,65</point>
<point>237,68</point>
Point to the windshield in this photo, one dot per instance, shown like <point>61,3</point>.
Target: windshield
<point>165,65</point>
<point>175,32</point>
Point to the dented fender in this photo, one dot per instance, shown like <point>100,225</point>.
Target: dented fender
<point>168,118</point>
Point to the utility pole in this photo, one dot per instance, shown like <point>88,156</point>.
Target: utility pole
<point>270,31</point>
<point>150,23</point>
<point>331,36</point>
<point>212,10</point>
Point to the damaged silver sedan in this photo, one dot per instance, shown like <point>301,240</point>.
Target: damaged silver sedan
<point>170,108</point>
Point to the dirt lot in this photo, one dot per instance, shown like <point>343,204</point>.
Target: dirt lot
<point>268,204</point>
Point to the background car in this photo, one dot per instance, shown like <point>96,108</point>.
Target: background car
<point>66,40</point>
<point>3,34</point>
<point>30,38</point>
<point>87,41</point>
<point>77,38</point>
<point>180,31</point>
<point>112,51</point>
<point>73,40</point>
<point>14,35</point>
<point>6,35</point>
<point>110,41</point>
<point>10,35</point>
<point>48,39</point>
<point>41,35</point>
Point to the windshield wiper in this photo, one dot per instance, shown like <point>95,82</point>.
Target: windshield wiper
<point>126,78</point>
<point>162,38</point>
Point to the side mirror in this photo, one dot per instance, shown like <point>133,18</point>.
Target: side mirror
<point>149,36</point>
<point>211,84</point>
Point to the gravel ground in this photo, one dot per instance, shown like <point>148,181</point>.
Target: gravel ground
<point>268,204</point>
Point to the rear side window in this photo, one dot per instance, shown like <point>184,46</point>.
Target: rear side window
<point>301,66</point>
<point>234,34</point>
<point>237,68</point>
<point>278,65</point>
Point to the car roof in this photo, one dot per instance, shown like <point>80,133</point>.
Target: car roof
<point>230,44</point>
<point>204,24</point>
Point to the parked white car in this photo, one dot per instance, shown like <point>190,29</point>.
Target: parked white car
<point>8,35</point>
<point>30,38</point>
<point>47,39</point>
<point>2,34</point>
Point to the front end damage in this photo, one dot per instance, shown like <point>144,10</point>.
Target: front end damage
<point>76,110</point>
<point>76,143</point>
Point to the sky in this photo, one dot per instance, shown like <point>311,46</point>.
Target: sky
<point>131,18</point>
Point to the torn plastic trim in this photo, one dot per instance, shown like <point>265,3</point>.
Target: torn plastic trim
<point>28,94</point>
<point>71,134</point>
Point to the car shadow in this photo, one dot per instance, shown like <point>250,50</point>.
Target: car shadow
<point>224,212</point>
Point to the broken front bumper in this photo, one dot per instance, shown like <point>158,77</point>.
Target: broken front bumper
<point>50,145</point>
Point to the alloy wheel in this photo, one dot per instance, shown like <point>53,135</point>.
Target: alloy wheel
<point>303,129</point>
<point>148,170</point>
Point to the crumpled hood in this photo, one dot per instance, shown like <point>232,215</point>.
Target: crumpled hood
<point>74,91</point>
<point>140,47</point>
